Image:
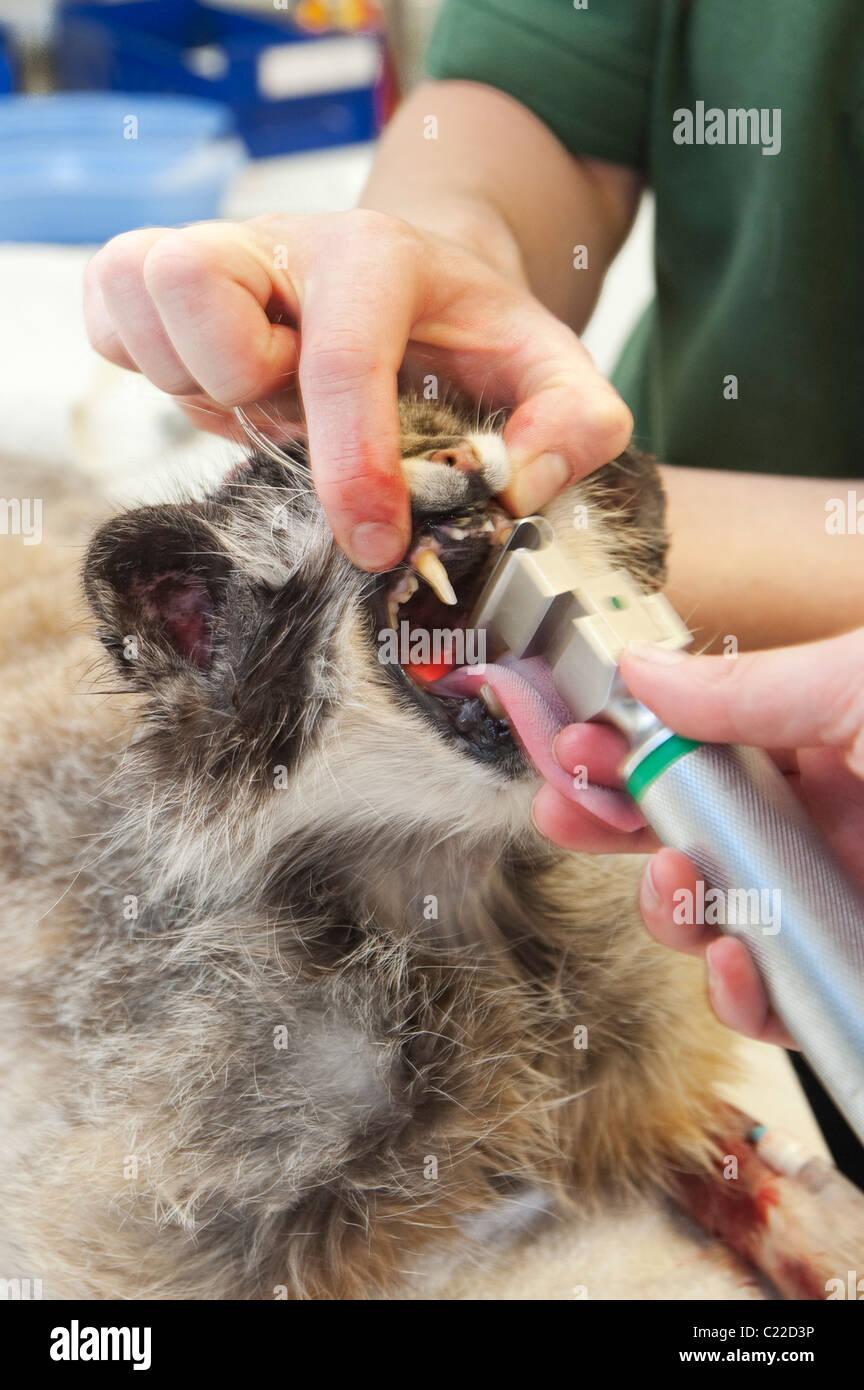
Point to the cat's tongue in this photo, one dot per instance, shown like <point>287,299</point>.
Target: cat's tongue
<point>534,707</point>
<point>537,714</point>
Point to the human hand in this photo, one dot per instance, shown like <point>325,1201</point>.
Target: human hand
<point>806,706</point>
<point>358,294</point>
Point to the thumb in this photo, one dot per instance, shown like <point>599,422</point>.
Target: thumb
<point>793,697</point>
<point>573,422</point>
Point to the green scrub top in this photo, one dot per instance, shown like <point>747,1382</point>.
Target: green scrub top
<point>746,117</point>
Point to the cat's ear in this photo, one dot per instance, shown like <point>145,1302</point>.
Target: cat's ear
<point>156,580</point>
<point>629,494</point>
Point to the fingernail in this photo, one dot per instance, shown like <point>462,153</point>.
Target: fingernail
<point>650,895</point>
<point>376,545</point>
<point>657,656</point>
<point>557,753</point>
<point>538,482</point>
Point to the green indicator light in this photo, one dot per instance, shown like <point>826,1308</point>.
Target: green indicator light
<point>617,602</point>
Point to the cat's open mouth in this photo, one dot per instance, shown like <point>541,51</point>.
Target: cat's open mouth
<point>423,610</point>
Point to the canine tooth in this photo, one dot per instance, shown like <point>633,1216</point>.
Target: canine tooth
<point>492,703</point>
<point>429,565</point>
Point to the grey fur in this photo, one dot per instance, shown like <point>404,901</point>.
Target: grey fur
<point>283,1036</point>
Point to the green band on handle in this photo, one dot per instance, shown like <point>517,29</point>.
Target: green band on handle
<point>657,761</point>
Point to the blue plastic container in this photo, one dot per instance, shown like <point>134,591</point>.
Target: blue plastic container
<point>288,91</point>
<point>82,167</point>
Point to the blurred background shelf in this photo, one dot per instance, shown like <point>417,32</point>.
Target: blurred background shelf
<point>289,89</point>
<point>131,113</point>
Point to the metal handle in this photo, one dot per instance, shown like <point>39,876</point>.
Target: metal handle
<point>792,903</point>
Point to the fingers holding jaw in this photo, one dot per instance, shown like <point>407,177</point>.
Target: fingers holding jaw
<point>572,422</point>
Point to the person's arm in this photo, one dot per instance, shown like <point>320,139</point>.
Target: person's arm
<point>750,556</point>
<point>495,179</point>
<point>752,559</point>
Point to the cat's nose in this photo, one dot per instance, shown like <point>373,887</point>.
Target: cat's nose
<point>462,456</point>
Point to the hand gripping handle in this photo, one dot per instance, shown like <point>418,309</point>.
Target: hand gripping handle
<point>781,891</point>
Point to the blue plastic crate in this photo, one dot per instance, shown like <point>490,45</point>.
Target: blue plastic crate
<point>73,167</point>
<point>290,91</point>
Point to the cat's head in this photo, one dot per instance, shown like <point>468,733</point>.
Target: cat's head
<point>275,674</point>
